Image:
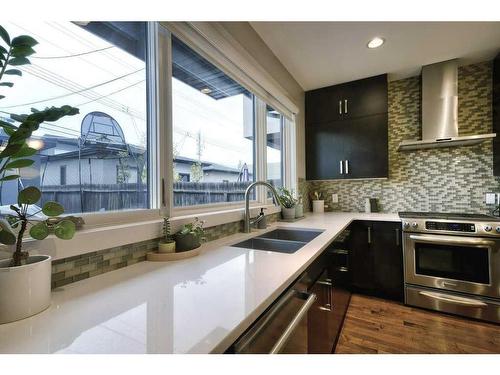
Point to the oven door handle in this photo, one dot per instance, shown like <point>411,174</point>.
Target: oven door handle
<point>451,240</point>
<point>454,300</point>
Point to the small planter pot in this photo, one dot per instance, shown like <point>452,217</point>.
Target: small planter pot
<point>185,242</point>
<point>288,213</point>
<point>166,247</point>
<point>299,210</point>
<point>24,290</point>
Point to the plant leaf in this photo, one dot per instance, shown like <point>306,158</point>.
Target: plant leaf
<point>9,84</point>
<point>65,229</point>
<point>25,151</point>
<point>12,72</point>
<point>11,149</point>
<point>21,163</point>
<point>22,51</point>
<point>19,61</point>
<point>7,237</point>
<point>2,96</point>
<point>52,209</point>
<point>4,35</point>
<point>39,231</point>
<point>23,40</point>
<point>10,177</point>
<point>29,195</point>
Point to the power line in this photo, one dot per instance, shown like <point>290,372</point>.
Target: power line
<point>75,55</point>
<point>74,92</point>
<point>111,93</point>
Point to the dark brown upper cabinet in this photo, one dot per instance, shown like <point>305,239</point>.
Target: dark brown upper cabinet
<point>346,130</point>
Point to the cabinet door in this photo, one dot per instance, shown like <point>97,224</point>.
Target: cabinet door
<point>361,257</point>
<point>388,260</point>
<point>323,105</point>
<point>319,338</point>
<point>366,147</point>
<point>365,97</point>
<point>324,150</point>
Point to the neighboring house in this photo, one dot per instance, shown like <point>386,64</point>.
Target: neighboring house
<point>212,172</point>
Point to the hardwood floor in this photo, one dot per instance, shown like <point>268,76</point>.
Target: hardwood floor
<point>374,325</point>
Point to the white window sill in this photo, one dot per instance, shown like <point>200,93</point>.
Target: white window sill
<point>99,237</point>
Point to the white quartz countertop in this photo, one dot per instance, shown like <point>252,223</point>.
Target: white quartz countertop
<point>198,305</point>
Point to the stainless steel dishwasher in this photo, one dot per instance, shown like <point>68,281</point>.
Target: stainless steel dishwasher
<point>282,328</point>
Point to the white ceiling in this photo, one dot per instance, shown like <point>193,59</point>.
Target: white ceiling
<point>320,54</point>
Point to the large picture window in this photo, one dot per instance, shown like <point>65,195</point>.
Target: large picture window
<point>274,147</point>
<point>213,132</point>
<point>97,160</point>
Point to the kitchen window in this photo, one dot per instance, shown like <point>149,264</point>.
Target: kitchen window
<point>274,147</point>
<point>100,68</point>
<point>213,132</point>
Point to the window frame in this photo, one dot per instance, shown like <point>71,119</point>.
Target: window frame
<point>147,221</point>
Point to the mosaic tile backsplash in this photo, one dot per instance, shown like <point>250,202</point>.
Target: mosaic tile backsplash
<point>72,269</point>
<point>448,179</point>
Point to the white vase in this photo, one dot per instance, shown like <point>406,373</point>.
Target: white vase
<point>318,206</point>
<point>299,210</point>
<point>24,290</point>
<point>288,213</point>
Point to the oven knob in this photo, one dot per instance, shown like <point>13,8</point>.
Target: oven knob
<point>406,225</point>
<point>487,228</point>
<point>414,225</point>
<point>497,229</point>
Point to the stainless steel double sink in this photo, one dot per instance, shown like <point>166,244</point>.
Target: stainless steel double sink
<point>281,240</point>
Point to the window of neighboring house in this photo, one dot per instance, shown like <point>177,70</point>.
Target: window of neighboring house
<point>274,147</point>
<point>213,131</point>
<point>100,68</point>
<point>184,177</point>
<point>62,173</point>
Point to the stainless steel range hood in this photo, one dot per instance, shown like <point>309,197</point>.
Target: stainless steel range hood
<point>440,110</point>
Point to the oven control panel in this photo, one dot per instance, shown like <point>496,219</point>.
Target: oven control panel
<point>453,227</point>
<point>450,227</point>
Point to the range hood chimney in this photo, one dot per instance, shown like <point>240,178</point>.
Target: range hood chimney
<point>440,110</point>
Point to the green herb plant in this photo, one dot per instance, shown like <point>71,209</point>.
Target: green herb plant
<point>195,228</point>
<point>286,198</point>
<point>167,230</point>
<point>15,154</point>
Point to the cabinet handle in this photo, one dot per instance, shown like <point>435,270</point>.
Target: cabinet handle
<point>327,283</point>
<point>369,235</point>
<point>345,106</point>
<point>347,167</point>
<point>397,237</point>
<point>340,107</point>
<point>341,167</point>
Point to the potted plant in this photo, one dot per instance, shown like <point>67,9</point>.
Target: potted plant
<point>167,243</point>
<point>287,202</point>
<point>190,236</point>
<point>299,207</point>
<point>24,279</point>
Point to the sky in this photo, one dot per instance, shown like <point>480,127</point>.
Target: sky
<point>53,74</point>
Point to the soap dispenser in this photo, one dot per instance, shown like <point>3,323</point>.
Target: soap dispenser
<point>262,224</point>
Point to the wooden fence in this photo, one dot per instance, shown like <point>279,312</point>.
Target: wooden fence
<point>110,197</point>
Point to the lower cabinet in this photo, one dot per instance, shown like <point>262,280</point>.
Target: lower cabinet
<point>376,259</point>
<point>327,314</point>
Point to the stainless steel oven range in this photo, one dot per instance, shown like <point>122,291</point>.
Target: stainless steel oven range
<point>452,263</point>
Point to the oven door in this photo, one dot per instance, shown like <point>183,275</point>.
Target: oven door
<point>462,264</point>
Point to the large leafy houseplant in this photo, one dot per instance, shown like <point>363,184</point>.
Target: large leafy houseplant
<point>15,154</point>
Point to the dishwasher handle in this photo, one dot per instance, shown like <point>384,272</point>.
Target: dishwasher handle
<point>283,339</point>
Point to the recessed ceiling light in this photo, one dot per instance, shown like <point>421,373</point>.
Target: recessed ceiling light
<point>375,42</point>
<point>205,90</point>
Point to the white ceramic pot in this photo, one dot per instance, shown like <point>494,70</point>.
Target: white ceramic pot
<point>318,206</point>
<point>166,247</point>
<point>288,213</point>
<point>24,290</point>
